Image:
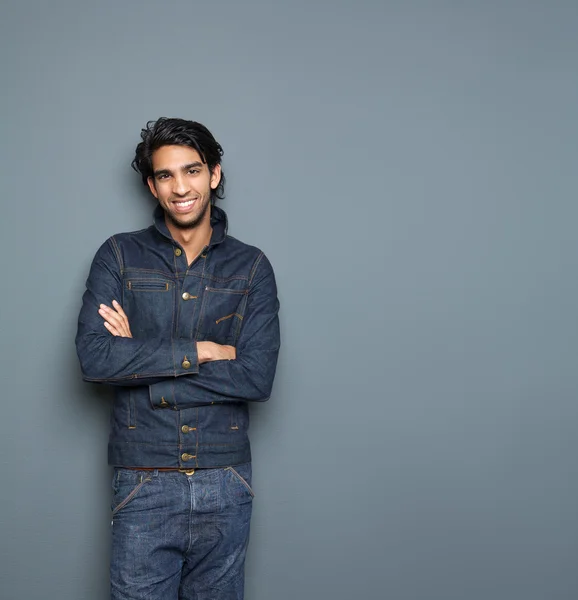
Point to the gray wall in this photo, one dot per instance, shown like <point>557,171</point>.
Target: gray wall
<point>410,169</point>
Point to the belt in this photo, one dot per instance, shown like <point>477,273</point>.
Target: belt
<point>163,469</point>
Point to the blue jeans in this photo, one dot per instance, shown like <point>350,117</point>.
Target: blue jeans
<point>180,536</point>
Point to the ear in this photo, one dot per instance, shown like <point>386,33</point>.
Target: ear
<point>152,187</point>
<point>216,177</point>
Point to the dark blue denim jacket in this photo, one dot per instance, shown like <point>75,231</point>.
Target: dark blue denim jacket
<point>168,410</point>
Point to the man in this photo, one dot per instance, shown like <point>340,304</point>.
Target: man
<point>182,319</point>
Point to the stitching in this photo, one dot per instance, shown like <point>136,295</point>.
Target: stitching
<point>226,290</point>
<point>223,279</point>
<point>171,445</point>
<point>137,376</point>
<point>242,308</point>
<point>177,304</point>
<point>116,250</point>
<point>139,270</point>
<point>197,437</point>
<point>183,275</point>
<point>144,288</point>
<point>242,480</point>
<point>175,260</point>
<point>228,317</point>
<point>130,496</point>
<point>131,411</point>
<point>254,269</point>
<point>172,339</point>
<point>148,280</point>
<point>203,302</point>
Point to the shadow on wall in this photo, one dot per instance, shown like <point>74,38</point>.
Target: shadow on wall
<point>89,408</point>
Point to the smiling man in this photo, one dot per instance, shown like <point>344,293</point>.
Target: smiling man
<point>182,319</point>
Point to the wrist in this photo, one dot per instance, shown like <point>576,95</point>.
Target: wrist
<point>204,352</point>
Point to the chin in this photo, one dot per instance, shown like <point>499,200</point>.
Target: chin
<point>181,223</point>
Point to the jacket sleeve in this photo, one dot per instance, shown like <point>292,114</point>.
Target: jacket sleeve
<point>105,358</point>
<point>250,376</point>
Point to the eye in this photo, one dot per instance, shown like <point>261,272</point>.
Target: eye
<point>193,171</point>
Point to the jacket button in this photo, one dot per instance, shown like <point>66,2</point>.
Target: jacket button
<point>185,364</point>
<point>178,251</point>
<point>185,429</point>
<point>186,296</point>
<point>164,402</point>
<point>185,457</point>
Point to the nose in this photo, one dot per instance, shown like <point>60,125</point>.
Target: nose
<point>180,186</point>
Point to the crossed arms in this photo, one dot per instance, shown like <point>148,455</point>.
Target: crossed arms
<point>116,321</point>
<point>179,371</point>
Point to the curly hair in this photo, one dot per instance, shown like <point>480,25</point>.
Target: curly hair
<point>178,132</point>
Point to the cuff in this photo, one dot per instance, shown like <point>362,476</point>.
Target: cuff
<point>185,357</point>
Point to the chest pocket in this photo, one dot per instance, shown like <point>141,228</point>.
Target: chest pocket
<point>221,315</point>
<point>149,305</point>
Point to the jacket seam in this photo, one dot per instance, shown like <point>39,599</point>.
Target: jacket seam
<point>117,252</point>
<point>254,269</point>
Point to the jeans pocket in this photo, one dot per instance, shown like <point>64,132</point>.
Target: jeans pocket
<point>125,488</point>
<point>242,480</point>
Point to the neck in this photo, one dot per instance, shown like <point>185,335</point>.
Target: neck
<point>193,239</point>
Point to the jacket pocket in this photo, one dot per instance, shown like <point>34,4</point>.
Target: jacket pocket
<point>147,285</point>
<point>131,411</point>
<point>221,315</point>
<point>149,305</point>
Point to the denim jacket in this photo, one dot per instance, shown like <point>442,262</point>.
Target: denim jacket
<point>168,410</point>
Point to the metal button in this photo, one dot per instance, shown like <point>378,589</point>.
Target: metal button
<point>185,429</point>
<point>185,457</point>
<point>186,296</point>
<point>186,364</point>
<point>178,251</point>
<point>164,402</point>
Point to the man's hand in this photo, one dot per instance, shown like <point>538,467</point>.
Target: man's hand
<point>115,320</point>
<point>210,351</point>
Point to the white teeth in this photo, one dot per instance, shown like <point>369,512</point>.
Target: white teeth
<point>184,204</point>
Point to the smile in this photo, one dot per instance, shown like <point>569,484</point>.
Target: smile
<point>183,206</point>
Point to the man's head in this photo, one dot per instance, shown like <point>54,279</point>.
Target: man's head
<point>180,161</point>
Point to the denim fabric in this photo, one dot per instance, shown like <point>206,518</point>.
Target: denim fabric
<point>169,411</point>
<point>178,536</point>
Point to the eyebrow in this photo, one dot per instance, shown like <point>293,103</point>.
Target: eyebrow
<point>192,165</point>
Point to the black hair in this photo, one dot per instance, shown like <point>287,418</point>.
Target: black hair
<point>178,132</point>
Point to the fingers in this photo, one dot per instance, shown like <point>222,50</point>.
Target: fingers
<point>112,320</point>
<point>116,322</point>
<point>112,330</point>
<point>125,328</point>
<point>118,308</point>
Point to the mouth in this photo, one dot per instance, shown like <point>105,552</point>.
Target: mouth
<point>183,206</point>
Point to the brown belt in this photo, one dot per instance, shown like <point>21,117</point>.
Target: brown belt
<point>162,469</point>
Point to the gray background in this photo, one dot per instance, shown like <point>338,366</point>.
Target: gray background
<point>410,169</point>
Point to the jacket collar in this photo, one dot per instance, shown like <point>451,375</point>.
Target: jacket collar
<point>219,223</point>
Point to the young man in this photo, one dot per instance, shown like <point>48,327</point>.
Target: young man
<point>182,319</point>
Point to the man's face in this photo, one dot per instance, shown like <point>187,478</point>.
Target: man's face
<point>182,184</point>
